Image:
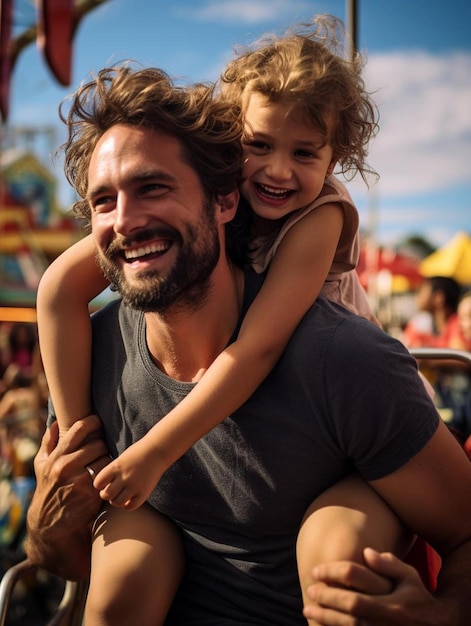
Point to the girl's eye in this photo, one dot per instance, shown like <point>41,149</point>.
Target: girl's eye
<point>259,146</point>
<point>305,154</point>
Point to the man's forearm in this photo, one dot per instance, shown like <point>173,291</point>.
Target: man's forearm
<point>65,503</point>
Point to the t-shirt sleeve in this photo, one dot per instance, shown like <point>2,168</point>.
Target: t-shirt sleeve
<point>381,412</point>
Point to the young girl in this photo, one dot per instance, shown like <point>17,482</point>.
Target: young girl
<point>305,112</point>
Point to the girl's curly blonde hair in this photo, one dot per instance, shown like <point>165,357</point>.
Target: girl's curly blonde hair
<point>307,70</point>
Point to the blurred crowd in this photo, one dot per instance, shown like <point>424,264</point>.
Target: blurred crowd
<point>23,411</point>
<point>23,414</point>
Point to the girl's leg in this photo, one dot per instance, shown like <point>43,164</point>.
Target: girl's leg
<point>137,565</point>
<point>341,522</point>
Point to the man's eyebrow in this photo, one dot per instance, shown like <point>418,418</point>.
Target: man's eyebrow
<point>152,174</point>
<point>133,179</point>
<point>92,192</point>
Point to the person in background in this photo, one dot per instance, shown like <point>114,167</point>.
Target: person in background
<point>460,328</point>
<point>437,302</point>
<point>18,345</point>
<point>22,343</point>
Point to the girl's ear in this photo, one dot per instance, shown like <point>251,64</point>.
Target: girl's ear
<point>228,206</point>
<point>331,167</point>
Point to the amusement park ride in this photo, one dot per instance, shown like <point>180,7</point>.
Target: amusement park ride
<point>33,228</point>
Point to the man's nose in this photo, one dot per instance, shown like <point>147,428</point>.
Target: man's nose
<point>128,215</point>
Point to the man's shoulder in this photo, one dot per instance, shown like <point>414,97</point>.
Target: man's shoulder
<point>324,313</point>
<point>114,320</point>
<point>343,334</point>
<point>114,310</point>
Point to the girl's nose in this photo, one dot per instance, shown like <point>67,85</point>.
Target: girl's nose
<point>278,168</point>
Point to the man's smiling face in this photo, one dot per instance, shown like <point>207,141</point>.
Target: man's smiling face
<point>156,235</point>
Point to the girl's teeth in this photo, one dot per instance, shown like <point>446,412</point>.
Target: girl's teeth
<point>272,191</point>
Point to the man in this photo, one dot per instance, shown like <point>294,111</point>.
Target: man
<point>343,396</point>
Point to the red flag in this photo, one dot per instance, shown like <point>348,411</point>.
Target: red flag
<point>56,25</point>
<point>6,57</point>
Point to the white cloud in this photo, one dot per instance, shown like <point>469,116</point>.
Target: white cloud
<point>248,11</point>
<point>424,143</point>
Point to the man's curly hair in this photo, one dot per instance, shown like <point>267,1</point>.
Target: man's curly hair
<point>208,129</point>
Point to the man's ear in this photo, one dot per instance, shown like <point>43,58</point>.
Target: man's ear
<point>228,206</point>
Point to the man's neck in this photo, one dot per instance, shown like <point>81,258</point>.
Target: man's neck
<point>184,343</point>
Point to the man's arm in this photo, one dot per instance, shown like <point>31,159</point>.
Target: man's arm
<point>65,504</point>
<point>430,494</point>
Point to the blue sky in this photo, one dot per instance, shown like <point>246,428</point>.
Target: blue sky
<point>419,65</point>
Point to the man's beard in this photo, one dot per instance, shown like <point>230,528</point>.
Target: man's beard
<point>188,281</point>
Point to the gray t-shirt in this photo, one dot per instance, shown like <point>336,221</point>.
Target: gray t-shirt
<point>343,396</point>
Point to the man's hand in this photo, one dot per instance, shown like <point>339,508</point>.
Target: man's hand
<point>65,504</point>
<point>344,594</point>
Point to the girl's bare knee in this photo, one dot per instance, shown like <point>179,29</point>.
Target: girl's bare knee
<point>134,555</point>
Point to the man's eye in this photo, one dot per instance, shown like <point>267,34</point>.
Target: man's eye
<point>102,204</point>
<point>154,189</point>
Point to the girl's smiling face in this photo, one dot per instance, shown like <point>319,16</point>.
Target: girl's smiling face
<point>286,160</point>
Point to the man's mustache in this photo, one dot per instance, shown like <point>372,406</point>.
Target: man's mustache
<point>121,243</point>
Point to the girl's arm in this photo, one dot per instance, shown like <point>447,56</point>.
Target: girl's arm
<point>64,328</point>
<point>295,278</point>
